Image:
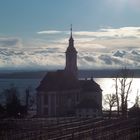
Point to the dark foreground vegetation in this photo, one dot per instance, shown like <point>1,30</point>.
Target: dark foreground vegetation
<point>70,129</point>
<point>13,106</point>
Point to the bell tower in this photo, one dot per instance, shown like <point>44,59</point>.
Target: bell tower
<point>71,57</point>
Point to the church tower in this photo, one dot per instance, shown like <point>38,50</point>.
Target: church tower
<point>71,57</point>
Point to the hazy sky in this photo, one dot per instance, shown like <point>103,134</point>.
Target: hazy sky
<point>33,33</point>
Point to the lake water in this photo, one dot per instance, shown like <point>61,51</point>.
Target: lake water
<point>107,85</point>
<point>21,85</point>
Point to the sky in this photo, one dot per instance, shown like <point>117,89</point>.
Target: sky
<point>34,33</point>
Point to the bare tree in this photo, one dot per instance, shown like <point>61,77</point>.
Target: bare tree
<point>123,84</point>
<point>137,101</point>
<point>110,100</point>
<point>117,95</point>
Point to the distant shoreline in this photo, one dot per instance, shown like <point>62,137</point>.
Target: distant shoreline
<point>100,73</point>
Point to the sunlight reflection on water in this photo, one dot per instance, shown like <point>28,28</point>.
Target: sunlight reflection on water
<point>108,87</point>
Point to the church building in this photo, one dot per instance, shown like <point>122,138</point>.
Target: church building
<point>61,93</point>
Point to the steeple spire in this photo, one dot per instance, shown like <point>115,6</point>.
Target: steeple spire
<point>71,29</point>
<point>71,41</point>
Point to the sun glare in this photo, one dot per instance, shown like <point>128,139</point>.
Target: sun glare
<point>121,4</point>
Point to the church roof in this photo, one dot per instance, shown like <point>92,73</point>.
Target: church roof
<point>90,85</point>
<point>58,81</point>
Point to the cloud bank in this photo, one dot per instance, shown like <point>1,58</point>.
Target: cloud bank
<point>10,42</point>
<point>104,48</point>
<point>49,32</point>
